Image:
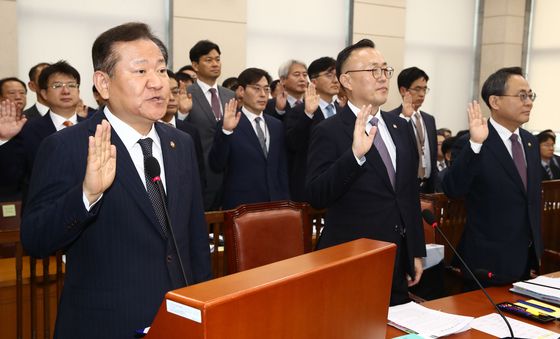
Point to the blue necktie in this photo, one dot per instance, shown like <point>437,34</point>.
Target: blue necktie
<point>330,110</point>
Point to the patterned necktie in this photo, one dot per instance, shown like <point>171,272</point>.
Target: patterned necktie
<point>518,158</point>
<point>151,186</point>
<point>383,152</point>
<point>420,144</point>
<point>549,171</point>
<point>216,107</point>
<point>67,123</point>
<point>260,135</point>
<point>330,110</point>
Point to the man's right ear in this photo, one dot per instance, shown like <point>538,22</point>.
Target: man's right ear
<point>402,91</point>
<point>101,81</point>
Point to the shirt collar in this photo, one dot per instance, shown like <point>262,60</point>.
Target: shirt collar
<point>503,132</point>
<point>356,110</point>
<point>205,87</point>
<point>41,108</point>
<point>292,100</point>
<point>323,104</point>
<point>251,116</point>
<point>58,120</point>
<point>128,135</point>
<point>172,122</point>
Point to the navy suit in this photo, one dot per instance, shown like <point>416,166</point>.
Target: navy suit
<point>250,176</point>
<point>503,218</point>
<point>202,116</point>
<point>32,112</point>
<point>298,129</point>
<point>360,200</point>
<point>119,265</point>
<point>431,137</point>
<point>191,130</point>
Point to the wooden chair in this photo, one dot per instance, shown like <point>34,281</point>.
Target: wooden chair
<point>262,233</point>
<point>10,219</point>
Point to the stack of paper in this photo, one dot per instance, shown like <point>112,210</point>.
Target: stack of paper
<point>543,288</point>
<point>414,318</point>
<point>494,325</point>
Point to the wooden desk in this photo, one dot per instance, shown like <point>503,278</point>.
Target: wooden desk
<point>475,304</point>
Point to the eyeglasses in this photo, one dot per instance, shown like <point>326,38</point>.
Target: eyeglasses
<point>69,85</point>
<point>426,90</point>
<point>376,71</point>
<point>329,75</point>
<point>523,96</point>
<point>257,88</point>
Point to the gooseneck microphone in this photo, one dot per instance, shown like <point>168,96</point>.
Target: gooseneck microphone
<point>431,220</point>
<point>151,165</point>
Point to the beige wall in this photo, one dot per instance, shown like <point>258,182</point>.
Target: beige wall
<point>8,31</point>
<point>223,22</point>
<point>384,23</point>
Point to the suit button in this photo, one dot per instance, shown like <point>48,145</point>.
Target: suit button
<point>169,258</point>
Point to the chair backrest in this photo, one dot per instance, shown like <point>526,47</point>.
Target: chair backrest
<point>262,233</point>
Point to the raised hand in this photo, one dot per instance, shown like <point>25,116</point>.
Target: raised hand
<point>81,109</point>
<point>184,102</point>
<point>362,141</point>
<point>478,125</point>
<point>231,115</point>
<point>11,122</point>
<point>311,99</point>
<point>101,163</point>
<point>281,99</point>
<point>407,106</point>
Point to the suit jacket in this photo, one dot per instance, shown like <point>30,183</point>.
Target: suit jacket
<point>502,217</point>
<point>118,263</point>
<point>270,109</point>
<point>360,200</point>
<point>188,128</point>
<point>555,172</point>
<point>431,137</point>
<point>250,176</point>
<point>32,112</point>
<point>298,129</point>
<point>202,116</point>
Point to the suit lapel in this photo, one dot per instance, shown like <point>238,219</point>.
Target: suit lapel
<point>498,149</point>
<point>532,158</point>
<point>200,97</point>
<point>246,127</point>
<point>378,163</point>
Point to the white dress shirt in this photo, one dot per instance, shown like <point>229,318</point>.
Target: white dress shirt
<point>504,134</point>
<point>58,120</point>
<point>252,117</point>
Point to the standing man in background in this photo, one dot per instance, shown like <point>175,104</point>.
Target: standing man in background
<point>40,108</point>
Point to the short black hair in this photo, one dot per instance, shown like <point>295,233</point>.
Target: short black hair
<point>273,85</point>
<point>345,53</point>
<point>94,89</point>
<point>443,130</point>
<point>323,64</point>
<point>201,48</point>
<point>231,83</point>
<point>251,76</point>
<point>103,54</point>
<point>171,75</point>
<point>186,68</point>
<point>496,83</point>
<point>447,144</point>
<point>33,71</point>
<point>546,135</point>
<point>409,75</point>
<point>180,76</point>
<point>59,67</point>
<point>5,80</point>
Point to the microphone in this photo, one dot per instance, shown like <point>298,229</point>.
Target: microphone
<point>429,217</point>
<point>151,166</point>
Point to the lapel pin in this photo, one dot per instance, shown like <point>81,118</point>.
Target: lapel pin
<point>529,144</point>
<point>172,144</point>
<point>394,126</point>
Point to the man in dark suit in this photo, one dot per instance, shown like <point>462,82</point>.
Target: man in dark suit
<point>208,100</point>
<point>549,167</point>
<point>318,105</point>
<point>11,124</point>
<point>40,108</point>
<point>14,90</point>
<point>362,168</point>
<point>293,80</point>
<point>249,147</point>
<point>413,87</point>
<point>94,200</point>
<point>496,169</point>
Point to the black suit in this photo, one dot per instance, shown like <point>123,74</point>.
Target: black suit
<point>32,112</point>
<point>270,109</point>
<point>503,218</point>
<point>360,200</point>
<point>119,265</point>
<point>431,138</point>
<point>553,168</point>
<point>191,130</point>
<point>298,129</point>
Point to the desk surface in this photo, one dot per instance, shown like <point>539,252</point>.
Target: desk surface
<point>475,304</point>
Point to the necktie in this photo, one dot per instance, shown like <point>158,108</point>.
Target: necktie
<point>383,152</point>
<point>67,123</point>
<point>157,203</point>
<point>549,171</point>
<point>298,102</point>
<point>518,159</point>
<point>216,107</point>
<point>420,144</point>
<point>330,110</point>
<point>260,136</point>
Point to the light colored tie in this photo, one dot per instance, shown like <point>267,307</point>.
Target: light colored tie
<point>420,144</point>
<point>549,172</point>
<point>330,110</point>
<point>383,152</point>
<point>260,136</point>
<point>518,158</point>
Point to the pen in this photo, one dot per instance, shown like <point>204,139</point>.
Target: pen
<point>546,309</point>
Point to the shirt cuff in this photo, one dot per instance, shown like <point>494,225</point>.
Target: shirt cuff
<point>475,147</point>
<point>226,132</point>
<point>310,116</point>
<point>361,160</point>
<point>86,202</point>
<point>182,116</point>
<point>404,117</point>
<point>280,112</point>
<point>2,142</point>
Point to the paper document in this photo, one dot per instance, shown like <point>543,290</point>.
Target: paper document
<point>494,325</point>
<point>434,255</point>
<point>428,323</point>
<point>543,288</point>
